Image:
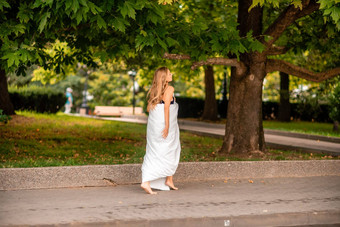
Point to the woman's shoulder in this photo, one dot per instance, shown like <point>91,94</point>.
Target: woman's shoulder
<point>170,89</point>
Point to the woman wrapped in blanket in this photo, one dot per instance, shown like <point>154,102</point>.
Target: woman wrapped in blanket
<point>163,146</point>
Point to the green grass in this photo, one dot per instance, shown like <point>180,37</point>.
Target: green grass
<point>36,140</point>
<point>324,129</point>
<point>315,128</point>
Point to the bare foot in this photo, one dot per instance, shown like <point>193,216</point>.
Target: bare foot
<point>147,188</point>
<point>171,185</point>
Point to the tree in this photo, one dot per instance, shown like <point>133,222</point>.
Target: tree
<point>26,27</point>
<point>254,44</point>
<point>284,106</point>
<point>210,105</point>
<point>249,37</point>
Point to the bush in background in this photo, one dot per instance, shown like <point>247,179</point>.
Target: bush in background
<point>193,108</point>
<point>3,117</point>
<point>39,99</point>
<point>334,113</point>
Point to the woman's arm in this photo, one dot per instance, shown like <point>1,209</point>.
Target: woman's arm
<point>167,99</point>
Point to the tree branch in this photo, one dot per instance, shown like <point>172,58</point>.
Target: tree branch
<point>240,67</point>
<point>294,70</point>
<point>216,61</point>
<point>176,56</point>
<point>287,17</point>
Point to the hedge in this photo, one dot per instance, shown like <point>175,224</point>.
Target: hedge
<point>39,99</point>
<point>193,108</point>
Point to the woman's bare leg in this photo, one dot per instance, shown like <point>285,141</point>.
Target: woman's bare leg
<point>147,188</point>
<point>169,181</point>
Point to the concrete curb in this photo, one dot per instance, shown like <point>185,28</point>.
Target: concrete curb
<point>308,219</point>
<point>110,175</point>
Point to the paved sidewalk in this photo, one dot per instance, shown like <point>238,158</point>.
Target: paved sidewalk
<point>274,138</point>
<point>263,202</point>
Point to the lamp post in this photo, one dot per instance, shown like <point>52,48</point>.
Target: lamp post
<point>132,73</point>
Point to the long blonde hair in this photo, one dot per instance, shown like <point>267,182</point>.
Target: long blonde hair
<point>159,85</point>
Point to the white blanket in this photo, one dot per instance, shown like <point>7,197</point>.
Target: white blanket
<point>162,155</point>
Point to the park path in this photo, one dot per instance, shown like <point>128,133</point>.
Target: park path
<point>236,202</point>
<point>273,138</point>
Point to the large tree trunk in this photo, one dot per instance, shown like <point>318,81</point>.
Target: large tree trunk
<point>284,106</point>
<point>5,102</point>
<point>244,130</point>
<point>210,105</point>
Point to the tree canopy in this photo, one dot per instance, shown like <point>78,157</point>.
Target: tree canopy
<point>254,37</point>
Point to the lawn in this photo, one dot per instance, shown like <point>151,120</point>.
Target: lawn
<point>315,128</point>
<point>34,140</point>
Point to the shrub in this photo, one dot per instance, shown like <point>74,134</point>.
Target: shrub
<point>190,107</point>
<point>3,117</point>
<point>193,108</point>
<point>334,101</point>
<point>39,99</point>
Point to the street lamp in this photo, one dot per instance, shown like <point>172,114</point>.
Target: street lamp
<point>132,73</point>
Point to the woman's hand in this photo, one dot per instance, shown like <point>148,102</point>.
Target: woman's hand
<point>165,132</point>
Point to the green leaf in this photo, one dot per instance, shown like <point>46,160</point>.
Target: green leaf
<point>119,24</point>
<point>11,58</point>
<point>162,44</point>
<point>171,42</point>
<point>216,46</point>
<point>335,13</point>
<point>164,2</point>
<point>79,16</point>
<point>100,21</point>
<point>24,14</point>
<point>325,4</point>
<point>255,3</point>
<point>38,3</point>
<point>257,46</point>
<point>94,9</point>
<point>43,21</point>
<point>68,4</point>
<point>49,2</point>
<point>83,2</point>
<point>297,3</point>
<point>127,9</point>
<point>142,32</point>
<point>75,5</point>
<point>4,3</point>
<point>19,28</point>
<point>154,18</point>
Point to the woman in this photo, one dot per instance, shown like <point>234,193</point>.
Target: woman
<point>163,146</point>
<point>69,100</point>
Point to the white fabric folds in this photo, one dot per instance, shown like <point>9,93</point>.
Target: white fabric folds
<point>162,155</point>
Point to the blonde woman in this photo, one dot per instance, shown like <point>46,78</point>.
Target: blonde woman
<point>163,146</point>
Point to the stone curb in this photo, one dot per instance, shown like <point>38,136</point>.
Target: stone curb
<point>110,175</point>
<point>307,219</point>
